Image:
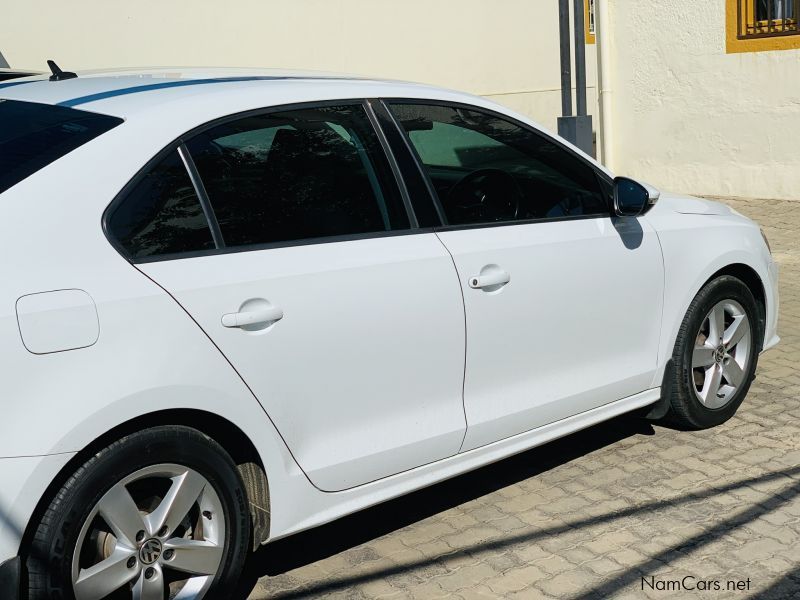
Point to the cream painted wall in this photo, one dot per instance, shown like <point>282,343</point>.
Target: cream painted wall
<point>505,50</point>
<point>690,118</point>
<point>685,115</point>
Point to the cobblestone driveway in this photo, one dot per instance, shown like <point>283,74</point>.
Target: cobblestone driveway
<point>590,515</point>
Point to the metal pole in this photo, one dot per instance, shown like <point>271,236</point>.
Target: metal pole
<point>566,73</point>
<point>602,31</point>
<point>580,58</point>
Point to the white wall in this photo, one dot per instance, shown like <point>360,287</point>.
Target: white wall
<point>505,50</point>
<point>688,117</point>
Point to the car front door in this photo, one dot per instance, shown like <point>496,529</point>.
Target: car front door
<point>344,319</point>
<point>563,301</point>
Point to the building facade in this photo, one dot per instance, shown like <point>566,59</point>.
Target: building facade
<point>698,97</point>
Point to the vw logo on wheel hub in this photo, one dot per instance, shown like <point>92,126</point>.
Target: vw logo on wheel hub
<point>719,354</point>
<point>150,551</point>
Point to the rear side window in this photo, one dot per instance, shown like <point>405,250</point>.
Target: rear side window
<point>161,214</point>
<point>299,174</point>
<point>33,135</point>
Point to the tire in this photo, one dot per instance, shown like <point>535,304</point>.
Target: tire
<point>703,408</point>
<point>75,531</point>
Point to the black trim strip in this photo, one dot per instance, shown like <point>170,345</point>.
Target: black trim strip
<point>387,150</point>
<point>447,228</point>
<point>275,245</point>
<point>202,195</point>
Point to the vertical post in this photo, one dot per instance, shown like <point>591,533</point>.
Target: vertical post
<point>566,72</point>
<point>602,33</point>
<point>796,15</point>
<point>577,129</point>
<point>769,16</point>
<point>580,57</point>
<point>739,31</point>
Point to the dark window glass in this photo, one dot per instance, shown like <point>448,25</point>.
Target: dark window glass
<point>774,9</point>
<point>33,135</point>
<point>298,174</point>
<point>486,169</point>
<point>162,214</point>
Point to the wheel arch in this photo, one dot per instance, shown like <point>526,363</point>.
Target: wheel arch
<point>753,281</point>
<point>683,281</point>
<point>228,435</point>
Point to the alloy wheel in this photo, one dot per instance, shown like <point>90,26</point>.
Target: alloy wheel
<point>721,354</point>
<point>158,534</point>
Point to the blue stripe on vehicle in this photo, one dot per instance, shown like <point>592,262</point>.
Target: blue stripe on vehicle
<point>13,83</point>
<point>160,86</point>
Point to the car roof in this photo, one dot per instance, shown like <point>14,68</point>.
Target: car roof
<point>129,92</point>
<point>161,104</point>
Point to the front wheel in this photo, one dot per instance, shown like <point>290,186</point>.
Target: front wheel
<point>715,355</point>
<point>158,515</point>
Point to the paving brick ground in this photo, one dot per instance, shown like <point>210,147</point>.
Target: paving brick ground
<point>590,515</point>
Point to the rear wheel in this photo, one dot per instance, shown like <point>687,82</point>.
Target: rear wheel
<point>715,355</point>
<point>159,515</point>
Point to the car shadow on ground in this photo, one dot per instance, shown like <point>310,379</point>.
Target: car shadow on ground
<point>308,547</point>
<point>346,533</point>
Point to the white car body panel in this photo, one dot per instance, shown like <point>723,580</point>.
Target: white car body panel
<point>150,355</point>
<point>363,374</point>
<point>568,333</point>
<point>696,245</point>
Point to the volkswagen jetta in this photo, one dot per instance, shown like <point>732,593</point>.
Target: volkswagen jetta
<point>237,305</point>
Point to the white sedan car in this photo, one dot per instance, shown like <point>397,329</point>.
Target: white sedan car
<point>237,305</point>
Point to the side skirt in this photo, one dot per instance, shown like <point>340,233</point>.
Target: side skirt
<point>333,505</point>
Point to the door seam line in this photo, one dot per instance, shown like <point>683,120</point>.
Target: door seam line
<point>464,313</point>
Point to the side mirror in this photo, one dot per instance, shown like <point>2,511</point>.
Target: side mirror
<point>632,198</point>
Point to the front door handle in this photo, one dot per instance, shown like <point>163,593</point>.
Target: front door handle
<point>489,278</point>
<point>258,316</point>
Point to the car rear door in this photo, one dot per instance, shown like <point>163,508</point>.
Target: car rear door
<point>308,272</point>
<point>563,302</point>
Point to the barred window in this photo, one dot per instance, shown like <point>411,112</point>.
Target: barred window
<point>767,18</point>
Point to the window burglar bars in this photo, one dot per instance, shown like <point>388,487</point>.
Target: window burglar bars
<point>767,18</point>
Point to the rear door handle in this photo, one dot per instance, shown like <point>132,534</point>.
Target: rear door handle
<point>492,278</point>
<point>252,317</point>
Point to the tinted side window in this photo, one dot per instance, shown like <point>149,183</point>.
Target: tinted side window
<point>299,174</point>
<point>162,214</point>
<point>486,169</point>
<point>32,135</point>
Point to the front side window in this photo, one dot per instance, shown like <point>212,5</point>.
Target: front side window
<point>298,174</point>
<point>486,169</point>
<point>33,135</point>
<point>161,215</point>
